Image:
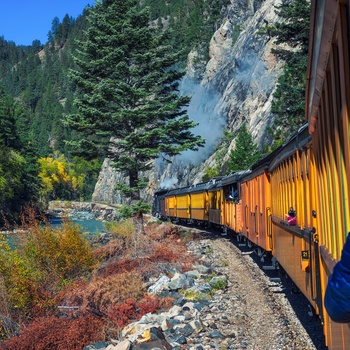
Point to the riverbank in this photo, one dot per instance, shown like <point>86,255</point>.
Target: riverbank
<point>82,210</point>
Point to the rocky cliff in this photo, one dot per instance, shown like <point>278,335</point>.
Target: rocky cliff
<point>236,86</point>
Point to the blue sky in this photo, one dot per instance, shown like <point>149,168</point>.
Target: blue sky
<point>23,21</point>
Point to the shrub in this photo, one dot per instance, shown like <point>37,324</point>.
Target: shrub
<point>122,313</point>
<point>121,229</point>
<point>58,333</point>
<point>43,261</point>
<point>222,284</point>
<point>101,293</point>
<point>129,310</point>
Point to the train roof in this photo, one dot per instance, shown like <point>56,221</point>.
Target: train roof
<point>298,141</point>
<point>214,184</point>
<point>203,186</point>
<point>160,192</point>
<point>177,191</point>
<point>235,177</point>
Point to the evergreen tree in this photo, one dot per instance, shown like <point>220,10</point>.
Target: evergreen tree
<point>288,101</point>
<point>245,153</point>
<point>8,135</point>
<point>17,179</point>
<point>129,92</point>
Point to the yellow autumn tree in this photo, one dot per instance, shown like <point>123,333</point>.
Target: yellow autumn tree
<point>58,178</point>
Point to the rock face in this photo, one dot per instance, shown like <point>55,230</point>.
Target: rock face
<point>236,87</point>
<point>104,189</point>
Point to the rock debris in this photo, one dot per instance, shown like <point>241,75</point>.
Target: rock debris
<point>225,302</point>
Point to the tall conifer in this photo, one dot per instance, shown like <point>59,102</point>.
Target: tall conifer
<point>129,106</point>
<point>288,102</point>
<point>245,153</point>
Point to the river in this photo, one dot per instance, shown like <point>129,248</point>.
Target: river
<point>91,226</point>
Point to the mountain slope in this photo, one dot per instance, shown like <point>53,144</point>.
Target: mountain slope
<point>236,87</point>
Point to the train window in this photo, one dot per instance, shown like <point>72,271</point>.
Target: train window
<point>232,193</point>
<point>235,192</point>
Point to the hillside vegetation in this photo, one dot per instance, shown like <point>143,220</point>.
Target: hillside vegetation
<point>36,92</point>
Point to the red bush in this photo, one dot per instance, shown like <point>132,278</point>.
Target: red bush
<point>149,304</point>
<point>123,313</point>
<point>129,310</point>
<point>58,334</point>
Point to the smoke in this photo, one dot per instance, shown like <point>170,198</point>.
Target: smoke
<point>169,183</point>
<point>202,109</point>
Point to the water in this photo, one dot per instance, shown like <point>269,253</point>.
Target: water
<point>90,226</point>
<point>84,220</point>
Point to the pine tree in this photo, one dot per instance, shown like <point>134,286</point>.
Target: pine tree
<point>245,153</point>
<point>129,104</point>
<point>288,101</point>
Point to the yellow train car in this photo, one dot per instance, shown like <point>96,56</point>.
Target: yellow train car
<point>182,204</point>
<point>256,205</point>
<point>294,238</point>
<point>232,204</point>
<point>199,203</point>
<point>170,204</point>
<point>215,202</point>
<point>177,204</point>
<point>327,109</point>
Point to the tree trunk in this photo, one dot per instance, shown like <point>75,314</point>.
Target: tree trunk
<point>135,197</point>
<point>139,223</point>
<point>133,182</point>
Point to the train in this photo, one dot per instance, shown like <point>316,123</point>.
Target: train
<point>294,203</point>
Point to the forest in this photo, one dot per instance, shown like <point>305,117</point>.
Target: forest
<point>40,90</point>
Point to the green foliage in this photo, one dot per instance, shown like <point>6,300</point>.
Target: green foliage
<point>224,262</point>
<point>288,100</point>
<point>210,173</point>
<point>123,228</point>
<point>186,235</point>
<point>36,78</point>
<point>190,294</point>
<point>192,22</point>
<point>294,30</point>
<point>128,211</point>
<point>209,250</point>
<point>129,191</point>
<point>17,182</point>
<point>221,284</point>
<point>245,153</point>
<point>288,103</point>
<point>221,150</point>
<point>128,92</point>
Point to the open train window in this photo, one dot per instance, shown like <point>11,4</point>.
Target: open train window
<point>231,192</point>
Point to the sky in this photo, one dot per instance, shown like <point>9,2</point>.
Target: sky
<point>23,21</point>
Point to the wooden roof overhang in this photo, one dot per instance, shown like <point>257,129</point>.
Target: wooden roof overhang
<point>322,23</point>
<point>300,140</point>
